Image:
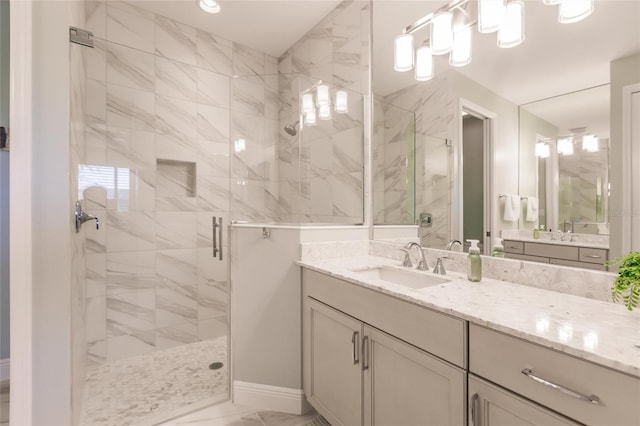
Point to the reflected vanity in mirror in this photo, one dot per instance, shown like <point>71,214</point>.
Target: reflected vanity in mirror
<point>553,86</point>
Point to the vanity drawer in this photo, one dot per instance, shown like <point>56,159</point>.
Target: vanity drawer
<point>442,335</point>
<point>527,258</point>
<point>593,255</point>
<point>584,265</point>
<point>513,246</point>
<point>551,250</point>
<point>501,359</point>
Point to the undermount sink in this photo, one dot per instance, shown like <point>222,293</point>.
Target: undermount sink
<point>398,276</point>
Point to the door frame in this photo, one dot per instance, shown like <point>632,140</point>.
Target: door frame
<point>629,243</point>
<point>457,217</point>
<point>20,107</point>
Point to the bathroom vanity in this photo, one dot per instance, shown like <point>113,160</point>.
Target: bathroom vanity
<point>565,253</point>
<point>380,349</point>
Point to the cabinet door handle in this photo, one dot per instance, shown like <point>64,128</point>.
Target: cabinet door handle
<point>474,410</point>
<point>365,353</point>
<point>592,399</point>
<point>354,347</point>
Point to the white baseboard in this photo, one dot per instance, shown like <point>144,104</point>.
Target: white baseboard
<point>4,369</point>
<point>286,400</point>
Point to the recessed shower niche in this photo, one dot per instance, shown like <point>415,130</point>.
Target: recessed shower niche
<point>175,178</point>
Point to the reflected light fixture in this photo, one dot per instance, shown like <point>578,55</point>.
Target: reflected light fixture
<point>461,50</point>
<point>542,150</point>
<point>307,103</point>
<point>590,143</point>
<point>342,102</point>
<point>565,146</point>
<point>570,11</point>
<point>324,112</point>
<point>511,32</point>
<point>322,95</point>
<point>240,145</point>
<point>403,53</point>
<point>490,15</point>
<point>424,63</point>
<point>551,2</point>
<point>310,118</point>
<point>209,6</point>
<point>441,34</point>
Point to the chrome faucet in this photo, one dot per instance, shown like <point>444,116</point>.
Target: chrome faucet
<point>422,264</point>
<point>449,245</point>
<point>439,268</point>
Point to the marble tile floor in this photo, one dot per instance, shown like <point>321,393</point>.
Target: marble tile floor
<point>133,390</point>
<point>229,414</point>
<point>4,403</point>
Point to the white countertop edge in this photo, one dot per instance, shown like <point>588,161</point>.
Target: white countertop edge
<point>342,273</point>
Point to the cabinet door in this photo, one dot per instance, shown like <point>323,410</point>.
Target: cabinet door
<point>406,386</point>
<point>332,370</point>
<point>490,405</point>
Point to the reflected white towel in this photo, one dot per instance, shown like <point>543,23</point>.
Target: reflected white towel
<point>511,208</point>
<point>532,209</point>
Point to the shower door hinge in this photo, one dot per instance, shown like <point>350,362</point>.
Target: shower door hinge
<point>79,36</point>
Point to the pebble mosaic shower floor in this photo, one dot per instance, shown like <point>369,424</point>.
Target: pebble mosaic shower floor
<point>126,392</point>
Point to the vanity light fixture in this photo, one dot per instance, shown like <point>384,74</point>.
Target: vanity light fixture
<point>324,112</point>
<point>424,63</point>
<point>403,53</point>
<point>590,143</point>
<point>511,32</point>
<point>461,51</point>
<point>209,6</point>
<point>342,102</point>
<point>322,95</point>
<point>565,145</point>
<point>490,15</point>
<point>570,11</point>
<point>441,33</point>
<point>504,16</point>
<point>240,145</point>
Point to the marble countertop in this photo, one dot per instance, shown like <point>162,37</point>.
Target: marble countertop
<point>597,331</point>
<point>559,242</point>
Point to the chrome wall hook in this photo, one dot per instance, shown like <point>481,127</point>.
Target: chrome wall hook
<point>266,233</point>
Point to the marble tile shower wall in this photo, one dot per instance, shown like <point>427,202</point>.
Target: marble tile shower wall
<point>434,109</point>
<point>320,176</point>
<point>155,170</point>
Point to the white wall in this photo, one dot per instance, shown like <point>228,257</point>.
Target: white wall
<point>4,183</point>
<point>624,71</point>
<point>51,211</point>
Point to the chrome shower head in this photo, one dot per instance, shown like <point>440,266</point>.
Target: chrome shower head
<point>291,128</point>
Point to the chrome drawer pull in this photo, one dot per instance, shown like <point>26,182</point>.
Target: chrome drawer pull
<point>592,399</point>
<point>354,347</point>
<point>593,256</point>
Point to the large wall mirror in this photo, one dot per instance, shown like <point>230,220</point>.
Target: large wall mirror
<point>460,155</point>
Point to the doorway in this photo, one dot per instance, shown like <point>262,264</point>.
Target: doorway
<point>475,158</point>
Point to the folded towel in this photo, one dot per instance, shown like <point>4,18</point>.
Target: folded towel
<point>532,209</point>
<point>511,208</point>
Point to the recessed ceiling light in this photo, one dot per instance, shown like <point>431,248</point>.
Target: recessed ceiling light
<point>209,6</point>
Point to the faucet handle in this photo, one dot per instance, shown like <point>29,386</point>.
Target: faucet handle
<point>407,259</point>
<point>439,268</point>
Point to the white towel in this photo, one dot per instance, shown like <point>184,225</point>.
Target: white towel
<point>511,208</point>
<point>532,209</point>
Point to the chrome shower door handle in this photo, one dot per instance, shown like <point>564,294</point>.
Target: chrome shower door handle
<point>217,226</point>
<point>81,217</point>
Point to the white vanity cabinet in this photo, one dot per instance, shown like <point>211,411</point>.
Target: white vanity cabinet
<point>358,374</point>
<point>490,405</point>
<point>576,389</point>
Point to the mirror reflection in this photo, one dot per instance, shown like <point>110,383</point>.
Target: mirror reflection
<point>533,93</point>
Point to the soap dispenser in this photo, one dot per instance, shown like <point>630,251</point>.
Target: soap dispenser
<point>474,262</point>
<point>498,248</point>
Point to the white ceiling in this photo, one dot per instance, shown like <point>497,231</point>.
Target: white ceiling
<point>265,25</point>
